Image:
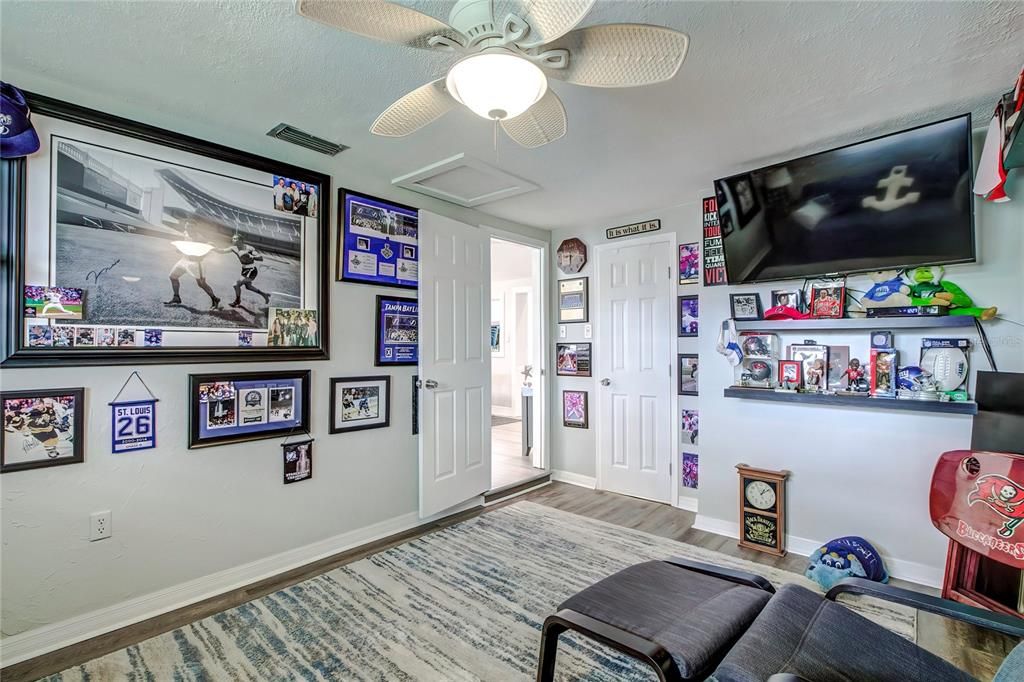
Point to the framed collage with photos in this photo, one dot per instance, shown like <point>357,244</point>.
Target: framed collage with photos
<point>378,241</point>
<point>236,407</point>
<point>135,244</point>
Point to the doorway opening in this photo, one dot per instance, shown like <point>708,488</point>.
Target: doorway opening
<point>517,326</point>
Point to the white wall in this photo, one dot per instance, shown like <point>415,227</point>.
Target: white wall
<point>179,515</point>
<point>854,471</point>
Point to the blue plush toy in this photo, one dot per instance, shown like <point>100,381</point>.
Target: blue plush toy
<point>846,557</point>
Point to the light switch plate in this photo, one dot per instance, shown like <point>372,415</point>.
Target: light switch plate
<point>562,333</point>
<point>588,331</point>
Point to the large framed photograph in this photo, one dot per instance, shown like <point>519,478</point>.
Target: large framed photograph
<point>688,374</point>
<point>689,316</point>
<point>573,300</point>
<point>42,428</point>
<point>575,410</point>
<point>132,244</point>
<point>397,334</point>
<point>746,306</point>
<point>231,407</point>
<point>359,403</point>
<point>572,359</point>
<point>378,241</point>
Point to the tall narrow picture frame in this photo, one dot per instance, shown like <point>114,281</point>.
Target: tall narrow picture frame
<point>397,331</point>
<point>142,245</point>
<point>378,241</point>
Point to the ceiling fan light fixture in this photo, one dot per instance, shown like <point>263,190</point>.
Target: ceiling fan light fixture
<point>496,85</point>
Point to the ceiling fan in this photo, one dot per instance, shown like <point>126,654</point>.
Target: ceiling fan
<point>507,50</point>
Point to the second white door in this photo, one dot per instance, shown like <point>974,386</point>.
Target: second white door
<point>635,291</point>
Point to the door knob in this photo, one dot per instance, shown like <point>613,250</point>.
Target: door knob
<point>430,383</point>
<point>606,382</point>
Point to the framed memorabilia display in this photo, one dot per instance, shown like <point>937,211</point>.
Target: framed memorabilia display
<point>689,470</point>
<point>690,424</point>
<point>42,428</point>
<point>397,337</point>
<point>378,241</point>
<point>228,407</point>
<point>132,244</point>
<point>298,460</point>
<point>791,298</point>
<point>813,361</point>
<point>572,359</point>
<point>762,509</point>
<point>359,403</point>
<point>571,255</point>
<point>790,374</point>
<point>688,316</point>
<point>689,263</point>
<point>575,411</point>
<point>688,374</point>
<point>746,306</point>
<point>573,300</point>
<point>828,300</point>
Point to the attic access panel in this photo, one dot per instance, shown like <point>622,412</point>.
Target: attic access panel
<point>464,180</point>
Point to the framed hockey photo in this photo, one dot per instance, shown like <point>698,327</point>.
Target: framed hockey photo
<point>687,374</point>
<point>124,227</point>
<point>42,428</point>
<point>231,407</point>
<point>378,241</point>
<point>746,306</point>
<point>689,323</point>
<point>575,410</point>
<point>359,403</point>
<point>572,359</point>
<point>298,461</point>
<point>397,331</point>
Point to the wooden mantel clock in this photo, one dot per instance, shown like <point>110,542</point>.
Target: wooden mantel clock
<point>762,509</point>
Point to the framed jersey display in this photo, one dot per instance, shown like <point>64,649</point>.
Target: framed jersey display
<point>378,241</point>
<point>134,244</point>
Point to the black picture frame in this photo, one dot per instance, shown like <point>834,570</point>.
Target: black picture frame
<point>584,368</point>
<point>378,336</point>
<point>78,438</point>
<point>13,225</point>
<point>384,380</point>
<point>197,440</point>
<point>586,300</point>
<point>687,378</point>
<point>680,301</point>
<point>585,423</point>
<point>744,299</point>
<point>298,477</point>
<point>343,241</point>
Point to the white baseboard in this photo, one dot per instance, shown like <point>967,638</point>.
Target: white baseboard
<point>574,479</point>
<point>41,640</point>
<point>911,571</point>
<point>687,503</point>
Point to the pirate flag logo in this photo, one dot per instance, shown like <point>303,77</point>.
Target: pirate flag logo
<point>1004,497</point>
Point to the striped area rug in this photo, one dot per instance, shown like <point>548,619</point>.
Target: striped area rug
<point>463,603</point>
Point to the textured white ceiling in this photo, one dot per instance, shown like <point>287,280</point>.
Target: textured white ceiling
<point>763,80</point>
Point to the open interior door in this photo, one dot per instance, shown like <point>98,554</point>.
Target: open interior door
<point>455,363</point>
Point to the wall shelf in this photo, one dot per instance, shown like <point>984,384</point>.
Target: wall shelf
<point>940,322</point>
<point>768,394</point>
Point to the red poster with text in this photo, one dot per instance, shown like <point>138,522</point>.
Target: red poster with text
<point>714,254</point>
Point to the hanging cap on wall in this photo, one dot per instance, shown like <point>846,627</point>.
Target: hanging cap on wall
<point>17,136</point>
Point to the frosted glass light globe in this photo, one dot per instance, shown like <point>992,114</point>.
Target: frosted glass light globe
<point>496,85</point>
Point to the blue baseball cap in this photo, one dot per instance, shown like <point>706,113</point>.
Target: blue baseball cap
<point>17,136</point>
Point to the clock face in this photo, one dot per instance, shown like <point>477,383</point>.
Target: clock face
<point>760,495</point>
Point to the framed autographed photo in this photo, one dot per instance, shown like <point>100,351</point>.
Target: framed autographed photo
<point>359,403</point>
<point>231,407</point>
<point>397,331</point>
<point>42,428</point>
<point>688,374</point>
<point>132,244</point>
<point>572,359</point>
<point>575,410</point>
<point>573,300</point>
<point>378,241</point>
<point>689,316</point>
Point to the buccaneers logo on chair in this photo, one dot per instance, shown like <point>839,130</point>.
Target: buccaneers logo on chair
<point>1004,497</point>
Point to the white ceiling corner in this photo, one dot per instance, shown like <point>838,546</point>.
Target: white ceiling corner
<point>464,180</point>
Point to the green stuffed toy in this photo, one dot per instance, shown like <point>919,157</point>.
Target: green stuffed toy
<point>928,288</point>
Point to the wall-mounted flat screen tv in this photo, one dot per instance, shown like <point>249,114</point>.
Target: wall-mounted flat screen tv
<point>895,201</point>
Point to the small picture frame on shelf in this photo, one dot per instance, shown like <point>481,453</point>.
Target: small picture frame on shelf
<point>687,372</point>
<point>689,324</point>
<point>790,374</point>
<point>828,300</point>
<point>746,306</point>
<point>790,298</point>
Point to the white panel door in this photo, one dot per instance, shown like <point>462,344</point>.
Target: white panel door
<point>635,365</point>
<point>455,363</point>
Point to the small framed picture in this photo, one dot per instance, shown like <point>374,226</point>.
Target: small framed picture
<point>688,374</point>
<point>293,327</point>
<point>690,424</point>
<point>791,298</point>
<point>42,428</point>
<point>359,403</point>
<point>828,300</point>
<point>813,359</point>
<point>575,411</point>
<point>689,469</point>
<point>234,407</point>
<point>746,306</point>
<point>298,461</point>
<point>572,359</point>
<point>790,374</point>
<point>573,300</point>
<point>688,313</point>
<point>689,263</point>
<point>397,337</point>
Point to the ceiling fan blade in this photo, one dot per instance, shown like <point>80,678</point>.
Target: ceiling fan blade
<point>378,19</point>
<point>542,123</point>
<point>423,105</point>
<point>549,19</point>
<point>620,55</point>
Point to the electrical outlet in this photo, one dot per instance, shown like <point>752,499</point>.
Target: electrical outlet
<point>588,331</point>
<point>100,526</point>
<point>562,331</point>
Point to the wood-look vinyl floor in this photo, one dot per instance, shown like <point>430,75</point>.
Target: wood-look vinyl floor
<point>976,651</point>
<point>508,466</point>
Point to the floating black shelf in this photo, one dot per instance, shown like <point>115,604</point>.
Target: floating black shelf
<point>851,401</point>
<point>910,322</point>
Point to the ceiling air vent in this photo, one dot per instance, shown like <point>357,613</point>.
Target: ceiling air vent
<point>283,131</point>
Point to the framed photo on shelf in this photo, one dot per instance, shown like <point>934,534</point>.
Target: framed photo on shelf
<point>378,241</point>
<point>360,403</point>
<point>813,359</point>
<point>148,246</point>
<point>791,374</point>
<point>572,359</point>
<point>298,460</point>
<point>573,300</point>
<point>42,428</point>
<point>235,407</point>
<point>746,306</point>
<point>688,316</point>
<point>828,300</point>
<point>397,333</point>
<point>791,298</point>
<point>575,411</point>
<point>688,374</point>
<point>689,263</point>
